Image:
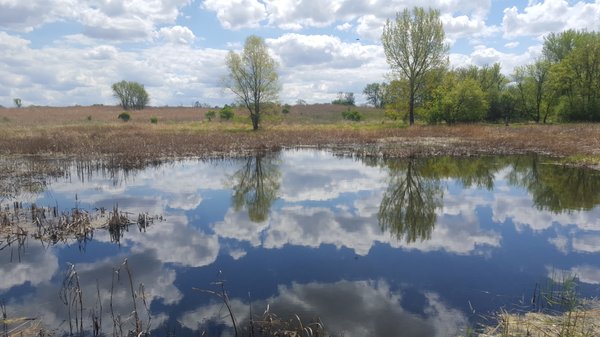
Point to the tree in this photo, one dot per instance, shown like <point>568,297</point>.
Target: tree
<point>458,100</point>
<point>375,93</point>
<point>253,77</point>
<point>131,95</point>
<point>408,207</point>
<point>344,98</point>
<point>414,45</point>
<point>255,186</point>
<point>535,95</point>
<point>18,102</point>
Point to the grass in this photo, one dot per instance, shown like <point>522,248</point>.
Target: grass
<point>559,312</point>
<point>184,132</point>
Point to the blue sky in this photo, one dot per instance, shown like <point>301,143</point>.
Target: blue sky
<point>67,52</point>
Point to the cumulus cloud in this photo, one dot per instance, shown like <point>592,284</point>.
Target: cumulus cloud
<point>238,13</point>
<point>69,73</point>
<point>177,34</point>
<point>542,17</point>
<point>110,20</point>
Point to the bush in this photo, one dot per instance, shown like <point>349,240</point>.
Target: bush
<point>89,118</point>
<point>124,116</point>
<point>286,109</point>
<point>352,115</point>
<point>154,120</point>
<point>226,113</point>
<point>210,115</point>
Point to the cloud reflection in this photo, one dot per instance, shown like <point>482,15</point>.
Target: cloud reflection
<point>348,308</point>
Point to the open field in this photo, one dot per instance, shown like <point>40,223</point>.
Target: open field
<point>91,132</point>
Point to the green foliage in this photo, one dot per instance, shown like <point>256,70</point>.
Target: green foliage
<point>131,95</point>
<point>375,93</point>
<point>352,115</point>
<point>253,77</point>
<point>154,120</point>
<point>414,46</point>
<point>124,116</point>
<point>344,98</point>
<point>286,109</point>
<point>226,113</point>
<point>210,115</point>
<point>18,102</point>
<point>458,101</point>
<point>89,118</point>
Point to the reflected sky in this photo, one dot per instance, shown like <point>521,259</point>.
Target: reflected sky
<point>362,244</point>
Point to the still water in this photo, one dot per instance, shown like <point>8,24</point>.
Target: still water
<point>370,247</point>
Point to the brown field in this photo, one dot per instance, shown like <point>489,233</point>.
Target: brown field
<point>92,132</point>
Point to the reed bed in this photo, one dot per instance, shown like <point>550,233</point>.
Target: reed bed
<point>577,323</point>
<point>183,132</point>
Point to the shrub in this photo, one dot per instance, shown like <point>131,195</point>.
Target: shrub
<point>226,113</point>
<point>154,120</point>
<point>124,116</point>
<point>352,115</point>
<point>89,118</point>
<point>286,109</point>
<point>210,115</point>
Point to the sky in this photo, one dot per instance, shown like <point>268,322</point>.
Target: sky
<point>69,52</point>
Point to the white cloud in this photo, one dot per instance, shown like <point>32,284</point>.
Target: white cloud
<point>237,14</point>
<point>69,74</point>
<point>110,20</point>
<point>177,34</point>
<point>542,17</point>
<point>344,27</point>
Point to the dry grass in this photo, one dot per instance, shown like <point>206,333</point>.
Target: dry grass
<point>182,132</point>
<point>580,323</point>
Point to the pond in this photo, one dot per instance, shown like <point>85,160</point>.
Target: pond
<point>362,246</point>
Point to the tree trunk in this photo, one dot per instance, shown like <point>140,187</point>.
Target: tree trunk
<point>411,108</point>
<point>254,118</point>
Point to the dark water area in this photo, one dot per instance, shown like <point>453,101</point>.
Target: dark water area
<point>425,247</point>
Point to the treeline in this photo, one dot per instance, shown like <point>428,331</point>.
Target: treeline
<point>562,85</point>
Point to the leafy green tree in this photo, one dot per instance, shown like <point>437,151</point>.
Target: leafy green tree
<point>375,93</point>
<point>577,77</point>
<point>414,45</point>
<point>458,101</point>
<point>253,77</point>
<point>131,95</point>
<point>558,46</point>
<point>18,102</point>
<point>344,98</point>
<point>255,186</point>
<point>408,207</point>
<point>536,97</point>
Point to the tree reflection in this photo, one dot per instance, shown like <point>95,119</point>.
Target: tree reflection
<point>408,207</point>
<point>556,188</point>
<point>255,185</point>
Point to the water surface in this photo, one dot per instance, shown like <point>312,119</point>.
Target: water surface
<point>371,247</point>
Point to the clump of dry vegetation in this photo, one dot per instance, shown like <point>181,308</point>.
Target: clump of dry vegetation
<point>51,226</point>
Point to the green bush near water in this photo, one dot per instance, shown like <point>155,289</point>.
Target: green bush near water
<point>124,116</point>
